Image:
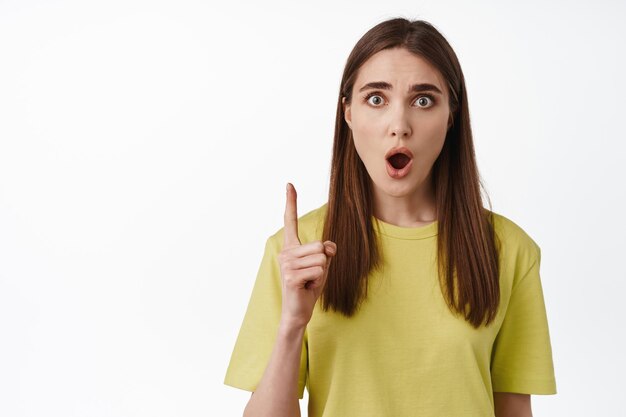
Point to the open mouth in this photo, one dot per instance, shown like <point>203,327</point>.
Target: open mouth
<point>399,157</point>
<point>399,160</point>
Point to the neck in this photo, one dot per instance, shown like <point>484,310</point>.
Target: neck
<point>412,210</point>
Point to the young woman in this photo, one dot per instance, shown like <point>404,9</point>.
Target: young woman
<point>402,295</point>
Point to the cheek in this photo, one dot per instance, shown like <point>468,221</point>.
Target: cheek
<point>435,123</point>
<point>364,134</point>
<point>363,128</point>
<point>367,152</point>
<point>363,149</point>
<point>432,131</point>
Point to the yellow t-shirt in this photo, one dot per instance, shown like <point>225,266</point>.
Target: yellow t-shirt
<point>404,354</point>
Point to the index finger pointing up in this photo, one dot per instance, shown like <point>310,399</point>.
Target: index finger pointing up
<point>291,218</point>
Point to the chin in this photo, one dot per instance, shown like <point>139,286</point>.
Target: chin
<point>398,188</point>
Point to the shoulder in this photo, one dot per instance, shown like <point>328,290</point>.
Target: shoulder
<point>516,245</point>
<point>310,227</point>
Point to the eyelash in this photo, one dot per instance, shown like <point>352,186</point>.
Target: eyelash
<point>376,93</point>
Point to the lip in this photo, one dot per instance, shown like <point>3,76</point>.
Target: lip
<point>399,149</point>
<point>398,173</point>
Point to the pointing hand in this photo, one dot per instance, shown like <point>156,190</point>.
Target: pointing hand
<point>303,267</point>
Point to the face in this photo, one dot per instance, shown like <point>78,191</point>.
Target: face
<point>383,117</point>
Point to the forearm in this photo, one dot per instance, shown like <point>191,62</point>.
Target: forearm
<point>277,392</point>
<point>507,404</point>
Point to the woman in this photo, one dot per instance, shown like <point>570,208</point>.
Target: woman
<point>429,304</point>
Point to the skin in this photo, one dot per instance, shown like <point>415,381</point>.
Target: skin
<point>396,117</point>
<point>508,404</point>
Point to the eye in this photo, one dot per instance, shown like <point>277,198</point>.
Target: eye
<point>367,98</point>
<point>423,98</point>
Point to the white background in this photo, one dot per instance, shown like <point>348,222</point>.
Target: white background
<point>144,152</point>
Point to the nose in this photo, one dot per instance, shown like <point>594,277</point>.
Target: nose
<point>399,125</point>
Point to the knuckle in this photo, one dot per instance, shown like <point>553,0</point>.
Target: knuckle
<point>288,277</point>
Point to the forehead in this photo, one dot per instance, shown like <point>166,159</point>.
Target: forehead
<point>400,68</point>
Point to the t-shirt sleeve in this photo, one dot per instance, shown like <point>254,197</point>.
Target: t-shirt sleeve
<point>521,359</point>
<point>257,335</point>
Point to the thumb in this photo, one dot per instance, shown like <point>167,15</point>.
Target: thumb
<point>330,248</point>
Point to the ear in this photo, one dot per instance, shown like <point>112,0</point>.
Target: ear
<point>450,120</point>
<point>346,111</point>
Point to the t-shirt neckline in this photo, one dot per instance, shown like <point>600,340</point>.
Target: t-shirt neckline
<point>400,232</point>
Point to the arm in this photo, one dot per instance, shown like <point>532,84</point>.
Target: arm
<point>276,395</point>
<point>508,404</point>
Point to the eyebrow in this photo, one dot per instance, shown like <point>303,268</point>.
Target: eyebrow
<point>382,85</point>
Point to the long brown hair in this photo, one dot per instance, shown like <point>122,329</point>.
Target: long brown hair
<point>465,227</point>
